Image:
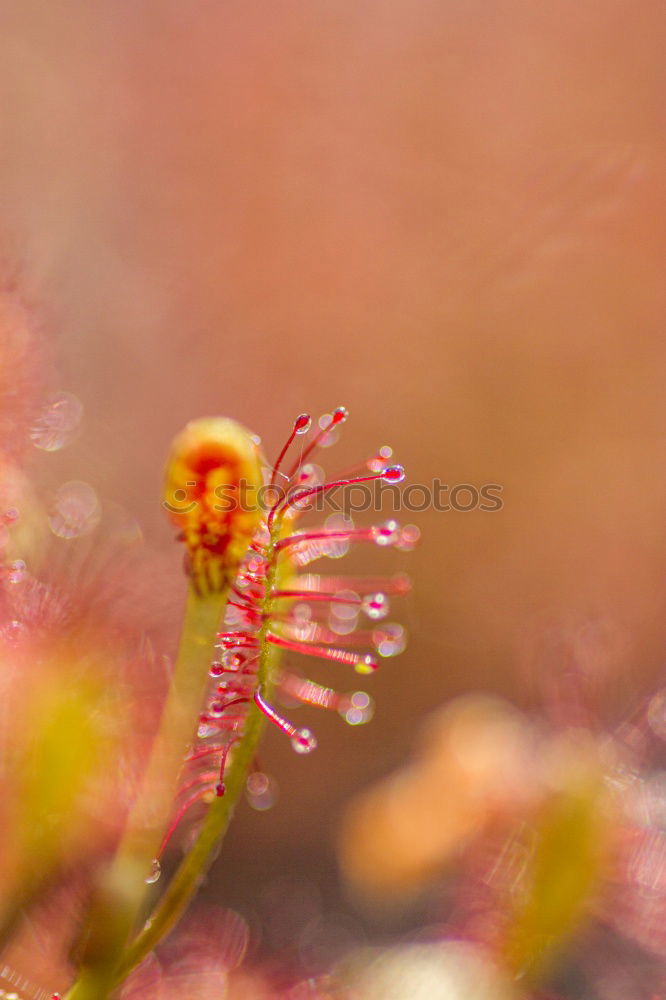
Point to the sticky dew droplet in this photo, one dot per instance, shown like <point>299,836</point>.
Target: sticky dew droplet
<point>376,606</point>
<point>155,872</point>
<point>366,664</point>
<point>393,474</point>
<point>387,533</point>
<point>304,741</point>
<point>340,414</point>
<point>303,423</point>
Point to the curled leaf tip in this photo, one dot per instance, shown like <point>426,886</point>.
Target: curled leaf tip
<point>213,477</point>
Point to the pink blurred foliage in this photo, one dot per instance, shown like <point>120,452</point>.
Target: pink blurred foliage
<point>494,209</point>
<point>86,620</point>
<point>462,822</point>
<point>24,370</point>
<point>197,960</point>
<point>204,958</point>
<point>92,610</point>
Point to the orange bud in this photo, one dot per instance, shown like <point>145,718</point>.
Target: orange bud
<point>213,476</point>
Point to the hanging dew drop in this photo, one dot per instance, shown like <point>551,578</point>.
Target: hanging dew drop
<point>366,665</point>
<point>394,474</point>
<point>340,414</point>
<point>232,660</point>
<point>304,741</point>
<point>387,533</point>
<point>303,423</point>
<point>155,872</point>
<point>376,606</point>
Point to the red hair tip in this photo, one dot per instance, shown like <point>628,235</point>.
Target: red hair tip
<point>340,415</point>
<point>394,474</point>
<point>302,423</point>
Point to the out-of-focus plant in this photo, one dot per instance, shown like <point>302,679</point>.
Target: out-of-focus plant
<point>546,832</point>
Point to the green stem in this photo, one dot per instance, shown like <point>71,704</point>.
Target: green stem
<point>196,863</point>
<point>121,891</point>
<point>194,866</point>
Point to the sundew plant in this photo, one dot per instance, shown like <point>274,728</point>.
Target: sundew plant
<point>532,839</point>
<point>253,614</point>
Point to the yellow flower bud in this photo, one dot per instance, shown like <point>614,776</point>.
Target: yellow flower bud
<point>213,478</point>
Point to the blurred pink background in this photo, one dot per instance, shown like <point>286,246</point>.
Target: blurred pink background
<point>448,216</point>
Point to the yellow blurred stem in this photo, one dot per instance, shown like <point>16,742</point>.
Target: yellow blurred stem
<point>52,773</point>
<point>569,856</point>
<point>119,898</point>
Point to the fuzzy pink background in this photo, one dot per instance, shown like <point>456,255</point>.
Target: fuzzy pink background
<point>450,217</point>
